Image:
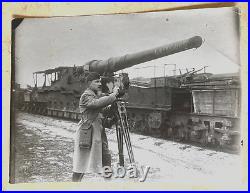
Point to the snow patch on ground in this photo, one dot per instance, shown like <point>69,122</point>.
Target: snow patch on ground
<point>169,161</point>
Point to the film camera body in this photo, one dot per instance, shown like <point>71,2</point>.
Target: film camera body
<point>108,83</point>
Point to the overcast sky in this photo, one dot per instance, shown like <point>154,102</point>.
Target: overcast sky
<point>43,43</point>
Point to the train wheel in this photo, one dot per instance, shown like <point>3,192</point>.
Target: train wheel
<point>40,111</point>
<point>29,109</point>
<point>33,109</point>
<point>23,108</point>
<point>46,111</point>
<point>36,110</point>
<point>54,113</point>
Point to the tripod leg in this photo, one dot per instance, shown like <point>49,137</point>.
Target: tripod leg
<point>126,138</point>
<point>122,130</point>
<point>128,143</point>
<point>119,136</point>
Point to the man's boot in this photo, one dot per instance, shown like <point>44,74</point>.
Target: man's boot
<point>77,177</point>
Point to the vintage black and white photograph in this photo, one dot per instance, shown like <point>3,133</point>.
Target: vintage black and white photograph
<point>138,97</point>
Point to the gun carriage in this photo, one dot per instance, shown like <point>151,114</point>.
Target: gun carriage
<point>186,107</point>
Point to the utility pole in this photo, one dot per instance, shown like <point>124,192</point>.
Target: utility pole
<point>205,69</point>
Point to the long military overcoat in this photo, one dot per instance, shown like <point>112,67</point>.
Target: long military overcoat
<point>90,160</point>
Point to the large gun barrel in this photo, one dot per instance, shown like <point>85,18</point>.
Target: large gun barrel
<point>118,63</point>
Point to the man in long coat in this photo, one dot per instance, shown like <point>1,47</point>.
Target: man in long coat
<point>90,160</point>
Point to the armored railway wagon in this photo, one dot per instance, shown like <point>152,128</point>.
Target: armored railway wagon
<point>205,109</point>
<point>188,107</point>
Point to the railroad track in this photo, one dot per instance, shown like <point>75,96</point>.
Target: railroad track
<point>42,109</point>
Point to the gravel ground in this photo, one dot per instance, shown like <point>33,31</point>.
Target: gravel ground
<point>44,149</point>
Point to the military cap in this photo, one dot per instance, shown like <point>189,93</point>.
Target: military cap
<point>93,76</point>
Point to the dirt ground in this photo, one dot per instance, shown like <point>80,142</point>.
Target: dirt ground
<point>44,150</point>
